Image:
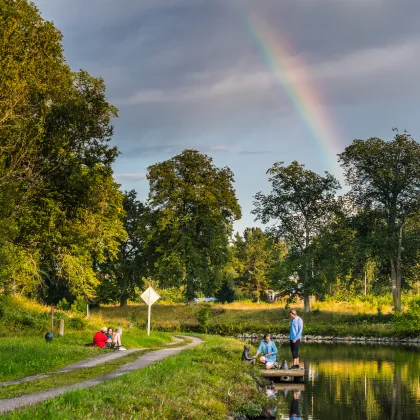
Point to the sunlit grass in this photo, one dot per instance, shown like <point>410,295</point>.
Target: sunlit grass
<point>207,382</point>
<point>68,378</point>
<point>26,356</point>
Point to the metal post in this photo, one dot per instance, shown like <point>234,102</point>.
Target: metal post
<point>52,318</point>
<point>149,315</point>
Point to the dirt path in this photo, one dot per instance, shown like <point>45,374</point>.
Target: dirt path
<point>91,362</point>
<point>82,364</point>
<point>144,360</point>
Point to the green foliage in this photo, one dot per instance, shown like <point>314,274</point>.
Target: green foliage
<point>64,305</point>
<point>409,322</point>
<point>203,317</point>
<point>79,305</point>
<point>122,277</point>
<point>253,257</point>
<point>302,203</point>
<point>385,182</point>
<point>227,292</point>
<point>171,295</point>
<point>58,198</point>
<point>193,206</point>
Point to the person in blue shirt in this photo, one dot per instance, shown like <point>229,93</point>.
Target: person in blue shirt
<point>269,352</point>
<point>296,328</point>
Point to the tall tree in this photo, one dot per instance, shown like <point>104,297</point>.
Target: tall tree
<point>59,202</point>
<point>385,178</point>
<point>121,277</point>
<point>254,255</point>
<point>301,203</point>
<point>194,206</point>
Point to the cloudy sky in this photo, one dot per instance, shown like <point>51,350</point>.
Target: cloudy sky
<point>249,82</point>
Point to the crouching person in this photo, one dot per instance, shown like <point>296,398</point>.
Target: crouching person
<point>269,353</point>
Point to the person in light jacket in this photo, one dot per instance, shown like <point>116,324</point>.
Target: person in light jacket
<point>296,328</point>
<point>269,352</point>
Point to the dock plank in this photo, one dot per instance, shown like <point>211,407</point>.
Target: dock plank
<point>295,373</point>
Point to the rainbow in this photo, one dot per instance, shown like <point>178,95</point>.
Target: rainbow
<point>290,72</point>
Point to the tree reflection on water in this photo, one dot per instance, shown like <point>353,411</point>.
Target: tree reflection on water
<point>355,381</point>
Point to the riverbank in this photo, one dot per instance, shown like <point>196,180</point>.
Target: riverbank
<point>206,382</point>
<point>413,341</point>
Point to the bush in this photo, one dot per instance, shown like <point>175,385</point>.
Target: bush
<point>203,317</point>
<point>79,305</point>
<point>409,323</point>
<point>77,323</point>
<point>63,305</point>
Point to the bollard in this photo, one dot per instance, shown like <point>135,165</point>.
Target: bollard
<point>61,327</point>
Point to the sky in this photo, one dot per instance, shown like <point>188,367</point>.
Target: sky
<point>247,82</point>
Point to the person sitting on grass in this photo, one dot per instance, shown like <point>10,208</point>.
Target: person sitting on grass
<point>100,338</point>
<point>117,340</point>
<point>110,334</point>
<point>269,351</point>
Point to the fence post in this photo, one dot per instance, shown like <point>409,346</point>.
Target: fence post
<point>61,327</point>
<point>87,310</point>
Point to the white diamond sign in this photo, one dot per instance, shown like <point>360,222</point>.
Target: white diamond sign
<point>150,296</point>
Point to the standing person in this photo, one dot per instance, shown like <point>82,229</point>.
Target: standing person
<point>296,328</point>
<point>269,351</point>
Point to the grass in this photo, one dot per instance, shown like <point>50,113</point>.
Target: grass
<point>207,382</point>
<point>327,319</point>
<point>24,351</point>
<point>61,379</point>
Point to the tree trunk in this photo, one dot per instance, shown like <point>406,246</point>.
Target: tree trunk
<point>190,288</point>
<point>396,272</point>
<point>306,301</point>
<point>123,299</point>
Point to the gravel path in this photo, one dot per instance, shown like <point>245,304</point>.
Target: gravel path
<point>142,361</point>
<point>91,362</point>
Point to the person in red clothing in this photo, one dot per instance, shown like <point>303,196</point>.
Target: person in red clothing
<point>100,338</point>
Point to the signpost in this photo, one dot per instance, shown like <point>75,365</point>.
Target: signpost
<point>150,296</point>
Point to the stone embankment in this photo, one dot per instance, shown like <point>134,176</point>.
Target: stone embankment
<point>319,339</point>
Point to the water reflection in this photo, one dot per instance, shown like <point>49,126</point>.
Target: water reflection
<point>353,381</point>
<point>294,409</point>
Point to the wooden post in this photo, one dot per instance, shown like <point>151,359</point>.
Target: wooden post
<point>61,327</point>
<point>149,315</point>
<point>52,318</point>
<point>87,310</point>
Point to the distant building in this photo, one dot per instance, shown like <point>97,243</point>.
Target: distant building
<point>209,299</point>
<point>272,295</point>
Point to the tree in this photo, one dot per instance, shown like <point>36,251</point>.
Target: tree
<point>385,179</point>
<point>302,203</point>
<point>123,275</point>
<point>59,202</point>
<point>254,255</point>
<point>194,205</point>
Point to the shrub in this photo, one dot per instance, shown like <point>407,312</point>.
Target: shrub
<point>77,323</point>
<point>63,305</point>
<point>203,317</point>
<point>79,305</point>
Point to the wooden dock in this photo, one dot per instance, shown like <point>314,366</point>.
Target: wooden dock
<point>284,386</point>
<point>290,373</point>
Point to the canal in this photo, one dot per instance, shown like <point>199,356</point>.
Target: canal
<point>353,381</point>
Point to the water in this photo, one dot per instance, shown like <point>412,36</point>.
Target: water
<point>353,381</point>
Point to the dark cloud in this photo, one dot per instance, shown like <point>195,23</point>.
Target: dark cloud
<point>187,73</point>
